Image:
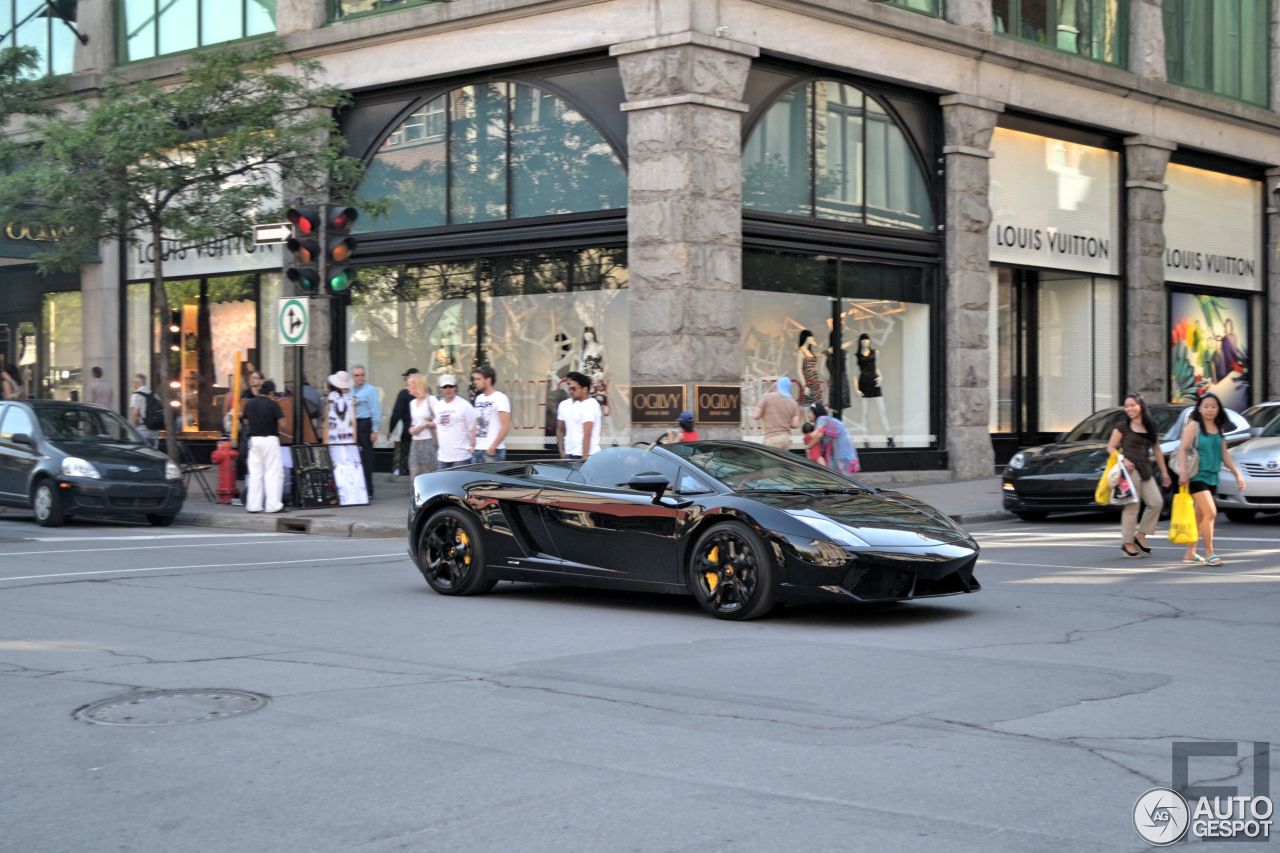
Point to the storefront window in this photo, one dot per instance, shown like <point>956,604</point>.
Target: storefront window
<point>150,28</point>
<point>533,317</point>
<point>1210,347</point>
<point>63,362</point>
<point>829,150</point>
<point>1078,339</point>
<point>851,335</point>
<point>31,23</point>
<point>489,152</point>
<point>1095,29</point>
<point>1219,47</point>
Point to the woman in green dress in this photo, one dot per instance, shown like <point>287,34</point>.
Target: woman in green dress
<point>1203,432</point>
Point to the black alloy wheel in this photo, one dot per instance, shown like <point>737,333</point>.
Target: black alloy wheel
<point>451,555</point>
<point>731,572</point>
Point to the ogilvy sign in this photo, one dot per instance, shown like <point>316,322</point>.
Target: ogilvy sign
<point>1212,229</point>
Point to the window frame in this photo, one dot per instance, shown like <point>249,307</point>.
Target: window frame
<point>1014,26</point>
<point>122,34</point>
<point>333,10</point>
<point>46,48</point>
<point>1175,18</point>
<point>939,7</point>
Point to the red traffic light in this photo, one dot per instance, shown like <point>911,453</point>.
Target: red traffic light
<point>305,221</point>
<point>341,218</point>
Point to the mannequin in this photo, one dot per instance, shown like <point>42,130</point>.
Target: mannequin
<point>591,362</point>
<point>869,386</point>
<point>838,373</point>
<point>444,361</point>
<point>810,381</point>
<point>562,362</point>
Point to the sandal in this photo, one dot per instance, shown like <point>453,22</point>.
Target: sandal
<point>1127,552</point>
<point>1194,558</point>
<point>1214,560</point>
<point>1143,548</point>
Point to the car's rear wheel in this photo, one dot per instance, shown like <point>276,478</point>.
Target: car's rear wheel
<point>1032,516</point>
<point>159,520</point>
<point>1241,516</point>
<point>451,554</point>
<point>731,572</point>
<point>47,504</point>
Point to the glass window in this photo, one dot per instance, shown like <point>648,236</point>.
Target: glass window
<point>1095,29</point>
<point>829,150</point>
<point>929,7</point>
<point>490,152</point>
<point>74,424</point>
<point>17,419</point>
<point>32,23</point>
<point>347,8</point>
<point>1220,47</point>
<point>63,323</point>
<point>1078,342</point>
<point>150,28</point>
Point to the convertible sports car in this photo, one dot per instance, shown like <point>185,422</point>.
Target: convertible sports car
<point>738,525</point>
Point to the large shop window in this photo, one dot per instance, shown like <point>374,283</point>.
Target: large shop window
<point>150,28</point>
<point>1095,29</point>
<point>492,151</point>
<point>1219,46</point>
<point>852,335</point>
<point>534,317</point>
<point>30,23</point>
<point>63,357</point>
<point>828,150</point>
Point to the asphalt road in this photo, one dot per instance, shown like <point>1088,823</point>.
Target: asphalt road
<point>1027,717</point>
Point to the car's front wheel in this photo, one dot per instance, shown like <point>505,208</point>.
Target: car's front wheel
<point>47,504</point>
<point>451,555</point>
<point>1241,516</point>
<point>731,572</point>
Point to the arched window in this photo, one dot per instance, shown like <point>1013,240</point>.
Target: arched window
<point>829,150</point>
<point>492,151</point>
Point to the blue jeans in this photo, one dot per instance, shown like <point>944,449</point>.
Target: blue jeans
<point>458,464</point>
<point>482,456</point>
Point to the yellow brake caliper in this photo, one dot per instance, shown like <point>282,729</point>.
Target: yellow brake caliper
<point>713,578</point>
<point>465,543</point>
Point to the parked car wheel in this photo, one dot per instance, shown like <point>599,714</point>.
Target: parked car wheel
<point>47,504</point>
<point>1032,516</point>
<point>451,554</point>
<point>1241,516</point>
<point>731,572</point>
<point>158,520</point>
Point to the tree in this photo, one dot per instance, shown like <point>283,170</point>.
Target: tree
<point>183,165</point>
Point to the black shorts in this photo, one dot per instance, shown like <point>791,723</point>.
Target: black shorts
<point>1200,486</point>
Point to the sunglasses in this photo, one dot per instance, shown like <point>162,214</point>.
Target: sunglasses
<point>448,386</point>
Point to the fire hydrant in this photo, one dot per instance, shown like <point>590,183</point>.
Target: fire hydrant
<point>225,458</point>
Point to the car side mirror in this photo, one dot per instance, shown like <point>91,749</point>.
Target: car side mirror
<point>23,438</point>
<point>650,482</point>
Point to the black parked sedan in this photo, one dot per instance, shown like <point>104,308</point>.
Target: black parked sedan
<point>737,525</point>
<point>62,458</point>
<point>1061,477</point>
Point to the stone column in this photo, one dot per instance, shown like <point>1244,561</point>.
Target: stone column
<point>971,14</point>
<point>102,341</point>
<point>1272,327</point>
<point>1146,39</point>
<point>294,16</point>
<point>684,219</point>
<point>1147,324</point>
<point>97,20</point>
<point>1274,51</point>
<point>968,123</point>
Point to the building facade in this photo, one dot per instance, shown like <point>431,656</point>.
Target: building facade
<point>962,225</point>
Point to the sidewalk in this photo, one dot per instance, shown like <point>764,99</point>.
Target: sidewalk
<point>966,501</point>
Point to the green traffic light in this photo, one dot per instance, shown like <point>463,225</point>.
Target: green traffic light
<point>341,279</point>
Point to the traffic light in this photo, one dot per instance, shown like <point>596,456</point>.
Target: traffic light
<point>339,245</point>
<point>305,246</point>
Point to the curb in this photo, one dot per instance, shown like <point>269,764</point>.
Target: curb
<point>290,522</point>
<point>982,516</point>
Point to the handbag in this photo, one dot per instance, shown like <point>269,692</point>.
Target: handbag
<point>1193,458</point>
<point>1102,492</point>
<point>1182,519</point>
<point>1123,490</point>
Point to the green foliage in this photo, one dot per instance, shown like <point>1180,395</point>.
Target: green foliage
<point>21,96</point>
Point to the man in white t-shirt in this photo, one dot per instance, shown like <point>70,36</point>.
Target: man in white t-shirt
<point>493,417</point>
<point>578,419</point>
<point>455,426</point>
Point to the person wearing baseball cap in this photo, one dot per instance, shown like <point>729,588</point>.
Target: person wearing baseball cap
<point>685,432</point>
<point>400,417</point>
<point>455,425</point>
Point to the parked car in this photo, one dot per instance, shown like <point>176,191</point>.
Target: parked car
<point>1061,477</point>
<point>734,524</point>
<point>1261,416</point>
<point>62,459</point>
<point>1259,462</point>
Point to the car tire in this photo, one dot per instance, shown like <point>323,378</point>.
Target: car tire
<point>1032,516</point>
<point>450,553</point>
<point>158,520</point>
<point>47,504</point>
<point>731,572</point>
<point>1241,516</point>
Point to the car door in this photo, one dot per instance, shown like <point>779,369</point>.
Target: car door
<point>17,461</point>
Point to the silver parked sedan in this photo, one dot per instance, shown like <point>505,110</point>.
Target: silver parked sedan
<point>1259,462</point>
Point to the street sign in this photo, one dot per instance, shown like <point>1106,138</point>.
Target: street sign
<point>294,321</point>
<point>267,235</point>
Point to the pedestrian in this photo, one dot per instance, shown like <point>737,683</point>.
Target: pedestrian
<point>400,418</point>
<point>493,417</point>
<point>683,432</point>
<point>837,446</point>
<point>1201,455</point>
<point>144,409</point>
<point>340,411</point>
<point>252,388</point>
<point>455,426</point>
<point>368,400</point>
<point>265,421</point>
<point>1139,440</point>
<point>420,426</point>
<point>99,391</point>
<point>778,413</point>
<point>578,419</point>
<point>11,383</point>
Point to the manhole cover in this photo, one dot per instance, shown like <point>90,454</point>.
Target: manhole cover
<point>167,707</point>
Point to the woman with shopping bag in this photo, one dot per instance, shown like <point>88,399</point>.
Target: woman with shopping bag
<point>1201,455</point>
<point>1137,442</point>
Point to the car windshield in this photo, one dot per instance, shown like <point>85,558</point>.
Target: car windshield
<point>1272,430</point>
<point>85,424</point>
<point>745,469</point>
<point>1261,416</point>
<point>1098,426</point>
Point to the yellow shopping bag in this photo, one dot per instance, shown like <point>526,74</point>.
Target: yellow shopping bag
<point>1102,494</point>
<point>1182,521</point>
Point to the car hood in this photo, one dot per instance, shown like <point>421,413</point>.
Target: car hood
<point>113,454</point>
<point>1076,457</point>
<point>882,519</point>
<point>1260,450</point>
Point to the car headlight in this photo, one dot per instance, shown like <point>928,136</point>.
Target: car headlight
<point>836,533</point>
<point>74,466</point>
<point>1018,461</point>
<point>171,470</point>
